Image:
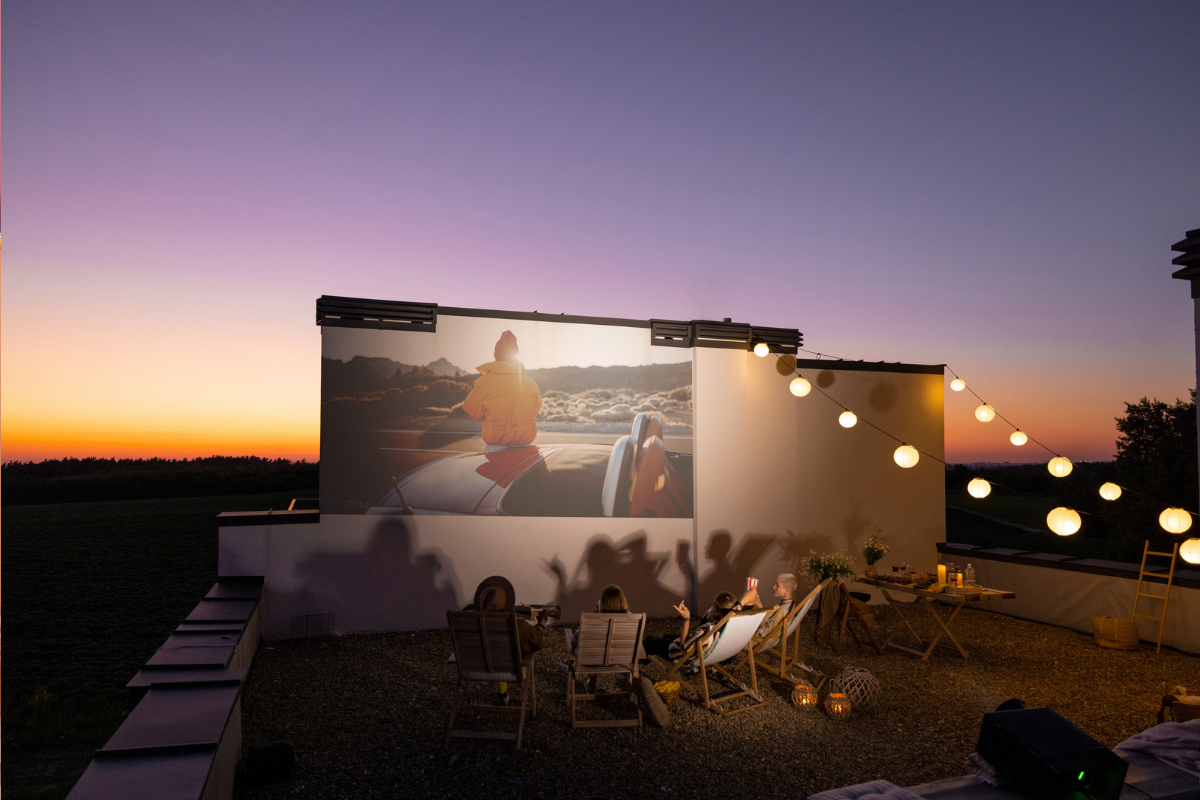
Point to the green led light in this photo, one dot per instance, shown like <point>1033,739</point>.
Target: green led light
<point>1080,776</point>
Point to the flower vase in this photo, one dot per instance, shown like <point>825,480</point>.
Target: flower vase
<point>871,571</point>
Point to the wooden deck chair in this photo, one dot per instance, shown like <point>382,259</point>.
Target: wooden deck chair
<point>487,649</point>
<point>851,618</point>
<point>775,643</point>
<point>736,629</point>
<point>608,645</point>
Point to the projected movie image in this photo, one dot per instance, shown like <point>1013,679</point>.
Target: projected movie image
<point>491,417</point>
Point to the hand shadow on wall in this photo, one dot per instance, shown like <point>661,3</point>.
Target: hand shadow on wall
<point>627,563</point>
<point>385,587</point>
<point>729,568</point>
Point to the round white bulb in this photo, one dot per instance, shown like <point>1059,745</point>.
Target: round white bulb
<point>978,487</point>
<point>1063,521</point>
<point>1060,467</point>
<point>1175,520</point>
<point>800,387</point>
<point>847,419</point>
<point>1190,550</point>
<point>1018,438</point>
<point>1110,491</point>
<point>906,456</point>
<point>957,384</point>
<point>762,350</point>
<point>985,413</point>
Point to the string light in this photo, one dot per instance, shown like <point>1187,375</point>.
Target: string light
<point>762,349</point>
<point>1018,438</point>
<point>979,488</point>
<point>958,384</point>
<point>1110,491</point>
<point>1063,521</point>
<point>1175,520</point>
<point>1190,551</point>
<point>847,419</point>
<point>906,456</point>
<point>985,413</point>
<point>800,387</point>
<point>1060,467</point>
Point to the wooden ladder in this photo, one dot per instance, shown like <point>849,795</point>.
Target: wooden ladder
<point>1165,597</point>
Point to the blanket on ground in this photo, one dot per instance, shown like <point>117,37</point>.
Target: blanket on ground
<point>1173,743</point>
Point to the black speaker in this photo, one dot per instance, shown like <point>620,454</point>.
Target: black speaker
<point>1048,757</point>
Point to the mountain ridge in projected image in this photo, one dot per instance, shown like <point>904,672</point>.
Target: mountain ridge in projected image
<point>527,434</point>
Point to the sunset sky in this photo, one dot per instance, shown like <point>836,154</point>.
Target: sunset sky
<point>994,186</point>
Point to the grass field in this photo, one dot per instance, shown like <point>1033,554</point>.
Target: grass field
<point>1027,510</point>
<point>90,591</point>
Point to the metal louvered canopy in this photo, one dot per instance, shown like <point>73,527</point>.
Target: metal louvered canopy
<point>1189,261</point>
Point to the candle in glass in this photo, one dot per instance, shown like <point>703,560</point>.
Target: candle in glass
<point>942,574</point>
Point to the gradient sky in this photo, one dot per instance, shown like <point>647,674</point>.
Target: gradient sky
<point>995,186</point>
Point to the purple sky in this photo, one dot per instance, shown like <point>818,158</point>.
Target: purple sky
<point>991,185</point>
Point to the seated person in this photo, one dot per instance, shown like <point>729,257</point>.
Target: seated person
<point>723,603</point>
<point>783,589</point>
<point>496,594</point>
<point>612,601</point>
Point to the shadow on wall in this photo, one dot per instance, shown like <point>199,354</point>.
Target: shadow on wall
<point>728,568</point>
<point>628,563</point>
<point>385,587</point>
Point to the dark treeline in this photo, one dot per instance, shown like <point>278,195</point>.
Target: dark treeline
<point>74,480</point>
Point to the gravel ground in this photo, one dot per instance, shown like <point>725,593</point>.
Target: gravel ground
<point>367,715</point>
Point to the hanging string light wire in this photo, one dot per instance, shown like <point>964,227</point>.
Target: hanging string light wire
<point>1001,416</point>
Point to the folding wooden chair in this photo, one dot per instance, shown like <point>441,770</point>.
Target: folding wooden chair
<point>607,645</point>
<point>775,643</point>
<point>727,638</point>
<point>850,619</point>
<point>487,649</point>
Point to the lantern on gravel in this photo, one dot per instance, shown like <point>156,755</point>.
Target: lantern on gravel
<point>1018,438</point>
<point>847,419</point>
<point>1175,520</point>
<point>1190,550</point>
<point>906,456</point>
<point>1063,521</point>
<point>1110,491</point>
<point>1060,467</point>
<point>804,697</point>
<point>800,387</point>
<point>838,705</point>
<point>979,488</point>
<point>985,413</point>
<point>957,384</point>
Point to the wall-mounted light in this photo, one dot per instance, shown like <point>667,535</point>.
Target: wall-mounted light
<point>1018,438</point>
<point>985,413</point>
<point>906,456</point>
<point>1110,491</point>
<point>957,384</point>
<point>762,349</point>
<point>1060,467</point>
<point>1175,520</point>
<point>979,488</point>
<point>800,386</point>
<point>1063,521</point>
<point>847,419</point>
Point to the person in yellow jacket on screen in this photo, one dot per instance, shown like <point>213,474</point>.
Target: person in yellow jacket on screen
<point>505,399</point>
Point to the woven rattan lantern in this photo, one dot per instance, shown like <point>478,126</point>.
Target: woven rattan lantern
<point>847,419</point>
<point>804,697</point>
<point>957,384</point>
<point>1018,438</point>
<point>985,413</point>
<point>979,488</point>
<point>838,705</point>
<point>1060,467</point>
<point>1064,521</point>
<point>800,386</point>
<point>859,685</point>
<point>1175,520</point>
<point>1110,491</point>
<point>906,456</point>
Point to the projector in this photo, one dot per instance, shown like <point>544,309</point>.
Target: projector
<point>1048,757</point>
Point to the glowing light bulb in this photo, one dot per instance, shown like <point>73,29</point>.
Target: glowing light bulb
<point>762,349</point>
<point>1018,438</point>
<point>1190,550</point>
<point>1063,521</point>
<point>985,413</point>
<point>906,456</point>
<point>1110,491</point>
<point>1175,520</point>
<point>957,384</point>
<point>1060,467</point>
<point>847,419</point>
<point>978,487</point>
<point>800,387</point>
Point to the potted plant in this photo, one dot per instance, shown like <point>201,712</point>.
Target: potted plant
<point>875,549</point>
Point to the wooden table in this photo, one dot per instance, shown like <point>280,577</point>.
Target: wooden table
<point>925,598</point>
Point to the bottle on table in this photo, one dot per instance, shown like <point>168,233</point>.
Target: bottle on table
<point>970,576</point>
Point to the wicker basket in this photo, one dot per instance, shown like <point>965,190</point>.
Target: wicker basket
<point>1116,633</point>
<point>668,691</point>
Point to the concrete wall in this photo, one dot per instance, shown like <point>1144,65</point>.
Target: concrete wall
<point>775,476</point>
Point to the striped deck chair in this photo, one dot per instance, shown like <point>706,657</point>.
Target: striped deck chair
<point>487,649</point>
<point>608,645</point>
<point>735,631</point>
<point>775,643</point>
